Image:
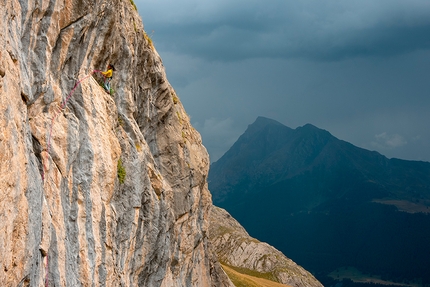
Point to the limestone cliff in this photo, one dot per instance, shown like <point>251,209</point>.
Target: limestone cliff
<point>95,189</point>
<point>235,248</point>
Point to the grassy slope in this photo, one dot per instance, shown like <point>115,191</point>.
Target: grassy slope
<point>244,280</point>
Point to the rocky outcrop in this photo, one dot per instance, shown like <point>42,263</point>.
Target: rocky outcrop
<point>101,190</point>
<point>235,248</point>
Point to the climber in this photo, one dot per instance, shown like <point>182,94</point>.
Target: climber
<point>108,77</point>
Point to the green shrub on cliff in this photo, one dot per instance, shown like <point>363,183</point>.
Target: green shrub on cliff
<point>121,172</point>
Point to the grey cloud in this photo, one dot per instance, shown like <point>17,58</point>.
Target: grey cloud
<point>354,99</point>
<point>323,30</point>
<point>218,135</point>
<point>385,140</point>
<point>355,68</point>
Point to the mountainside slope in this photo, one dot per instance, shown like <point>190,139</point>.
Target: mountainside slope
<point>332,204</point>
<point>96,190</point>
<point>236,249</point>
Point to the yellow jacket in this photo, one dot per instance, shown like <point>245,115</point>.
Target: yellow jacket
<point>108,73</point>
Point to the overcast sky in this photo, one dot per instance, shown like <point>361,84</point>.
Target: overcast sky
<point>359,69</point>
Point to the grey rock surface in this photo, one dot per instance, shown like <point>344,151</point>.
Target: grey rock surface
<point>66,216</point>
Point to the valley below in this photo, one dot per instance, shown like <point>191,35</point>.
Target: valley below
<point>353,274</point>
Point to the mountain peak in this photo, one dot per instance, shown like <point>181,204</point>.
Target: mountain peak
<point>309,129</point>
<point>262,123</point>
<point>309,126</point>
<point>265,121</point>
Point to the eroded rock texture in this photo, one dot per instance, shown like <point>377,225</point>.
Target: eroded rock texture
<point>66,218</point>
<point>234,247</point>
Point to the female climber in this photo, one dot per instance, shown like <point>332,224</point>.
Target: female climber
<point>108,77</point>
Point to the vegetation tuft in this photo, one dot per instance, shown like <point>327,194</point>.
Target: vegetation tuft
<point>121,172</point>
<point>120,121</point>
<point>135,27</point>
<point>148,39</point>
<point>138,147</point>
<point>179,117</point>
<point>134,5</point>
<point>175,98</point>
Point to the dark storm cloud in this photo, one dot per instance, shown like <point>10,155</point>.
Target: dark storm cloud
<point>357,68</point>
<point>324,30</point>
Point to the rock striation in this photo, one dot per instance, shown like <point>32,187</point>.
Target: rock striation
<point>100,190</point>
<point>234,247</point>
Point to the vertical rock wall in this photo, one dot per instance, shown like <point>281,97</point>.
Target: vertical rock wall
<point>66,216</point>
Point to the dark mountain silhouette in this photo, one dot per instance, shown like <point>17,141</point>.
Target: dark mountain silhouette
<point>326,203</point>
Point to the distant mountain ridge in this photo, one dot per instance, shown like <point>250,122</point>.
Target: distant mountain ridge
<point>332,204</point>
<point>269,153</point>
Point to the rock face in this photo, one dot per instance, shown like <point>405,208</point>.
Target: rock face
<point>236,248</point>
<point>100,190</point>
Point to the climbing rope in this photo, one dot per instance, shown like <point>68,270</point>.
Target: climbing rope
<point>58,111</point>
<point>47,272</point>
<point>48,146</point>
